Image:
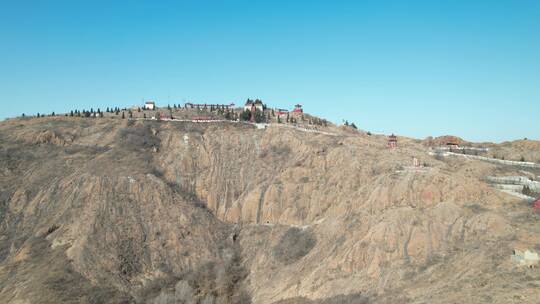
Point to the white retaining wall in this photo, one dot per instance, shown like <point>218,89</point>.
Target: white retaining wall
<point>491,160</point>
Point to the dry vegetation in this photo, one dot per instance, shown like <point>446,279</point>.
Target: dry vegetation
<point>119,211</point>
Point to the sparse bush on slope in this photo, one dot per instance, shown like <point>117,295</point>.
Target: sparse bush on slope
<point>141,137</point>
<point>341,299</point>
<point>294,244</point>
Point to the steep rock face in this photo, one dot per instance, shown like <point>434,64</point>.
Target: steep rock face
<point>347,190</point>
<point>280,176</point>
<point>117,223</point>
<point>170,212</point>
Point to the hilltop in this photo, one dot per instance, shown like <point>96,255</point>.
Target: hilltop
<point>194,207</point>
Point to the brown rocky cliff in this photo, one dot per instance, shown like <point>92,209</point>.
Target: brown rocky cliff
<point>142,211</point>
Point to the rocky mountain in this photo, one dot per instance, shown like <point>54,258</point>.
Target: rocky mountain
<point>110,210</point>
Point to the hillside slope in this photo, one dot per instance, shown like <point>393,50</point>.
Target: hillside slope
<point>110,210</point>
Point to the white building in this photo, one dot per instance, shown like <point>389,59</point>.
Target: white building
<point>150,105</point>
<point>250,104</point>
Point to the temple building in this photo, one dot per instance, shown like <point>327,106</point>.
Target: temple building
<point>392,141</point>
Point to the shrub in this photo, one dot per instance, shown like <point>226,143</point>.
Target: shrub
<point>476,208</point>
<point>138,137</point>
<point>129,261</point>
<point>355,298</point>
<point>280,150</point>
<point>526,191</point>
<point>52,229</point>
<point>258,116</point>
<point>245,115</point>
<point>294,245</point>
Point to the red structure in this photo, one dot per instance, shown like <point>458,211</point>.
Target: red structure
<point>392,141</point>
<point>298,109</point>
<point>281,111</point>
<point>452,145</point>
<point>536,205</point>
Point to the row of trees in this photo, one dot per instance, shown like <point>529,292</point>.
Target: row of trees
<point>257,116</point>
<point>72,113</point>
<point>83,113</point>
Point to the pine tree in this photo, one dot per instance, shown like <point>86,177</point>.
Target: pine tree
<point>52,114</point>
<point>245,115</point>
<point>353,126</point>
<point>258,116</point>
<point>526,191</point>
<point>71,113</point>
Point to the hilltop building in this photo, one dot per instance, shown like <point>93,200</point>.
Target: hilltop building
<point>392,141</point>
<point>252,105</point>
<point>452,145</point>
<point>298,109</point>
<point>150,105</point>
<point>281,112</point>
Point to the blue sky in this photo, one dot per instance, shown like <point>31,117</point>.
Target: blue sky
<point>415,68</point>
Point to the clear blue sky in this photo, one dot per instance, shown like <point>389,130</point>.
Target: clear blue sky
<point>416,68</point>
